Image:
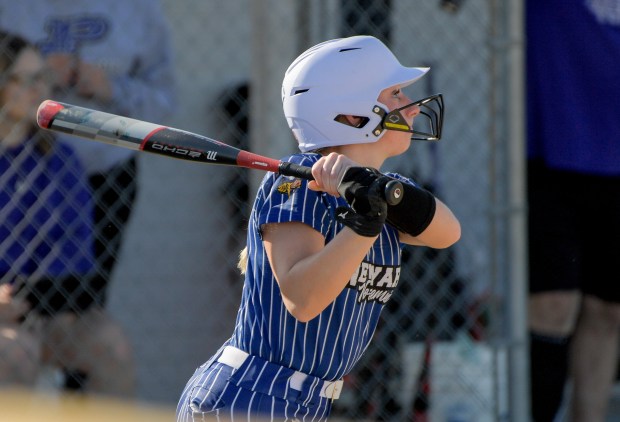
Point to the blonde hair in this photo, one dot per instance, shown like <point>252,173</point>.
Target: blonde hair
<point>242,264</point>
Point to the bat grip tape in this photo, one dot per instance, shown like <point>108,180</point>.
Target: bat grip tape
<point>393,190</point>
<point>291,169</point>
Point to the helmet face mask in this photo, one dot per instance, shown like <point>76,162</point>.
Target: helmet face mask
<point>345,77</point>
<point>427,125</point>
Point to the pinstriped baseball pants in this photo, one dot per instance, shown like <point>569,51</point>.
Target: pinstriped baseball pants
<point>217,392</point>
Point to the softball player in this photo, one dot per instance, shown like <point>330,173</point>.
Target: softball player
<point>321,260</point>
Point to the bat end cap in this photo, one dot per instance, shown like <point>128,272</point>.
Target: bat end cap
<point>46,112</point>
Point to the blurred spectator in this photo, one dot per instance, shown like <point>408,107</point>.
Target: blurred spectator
<point>46,243</point>
<point>574,201</point>
<point>113,56</point>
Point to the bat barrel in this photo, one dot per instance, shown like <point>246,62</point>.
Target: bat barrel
<point>133,134</point>
<point>94,125</point>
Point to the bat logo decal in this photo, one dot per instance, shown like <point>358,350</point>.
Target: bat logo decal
<point>171,150</point>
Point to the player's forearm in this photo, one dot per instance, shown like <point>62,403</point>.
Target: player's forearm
<point>443,231</point>
<point>314,282</point>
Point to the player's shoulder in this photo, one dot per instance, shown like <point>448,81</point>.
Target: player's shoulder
<point>401,178</point>
<point>306,159</point>
<point>302,159</point>
<point>274,184</point>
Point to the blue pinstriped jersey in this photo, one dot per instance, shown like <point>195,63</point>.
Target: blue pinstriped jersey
<point>329,345</point>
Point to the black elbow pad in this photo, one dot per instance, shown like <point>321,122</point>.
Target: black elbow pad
<point>415,211</point>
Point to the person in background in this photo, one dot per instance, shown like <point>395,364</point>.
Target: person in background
<point>113,56</point>
<point>46,243</point>
<point>574,204</point>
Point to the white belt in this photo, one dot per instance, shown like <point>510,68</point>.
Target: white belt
<point>234,358</point>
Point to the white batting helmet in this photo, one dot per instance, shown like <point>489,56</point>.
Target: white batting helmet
<point>342,77</point>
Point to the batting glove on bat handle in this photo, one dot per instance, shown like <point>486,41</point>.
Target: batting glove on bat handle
<point>392,192</point>
<point>368,209</point>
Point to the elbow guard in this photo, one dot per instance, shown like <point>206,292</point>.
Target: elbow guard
<point>414,213</point>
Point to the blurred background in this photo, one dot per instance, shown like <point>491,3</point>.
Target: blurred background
<point>452,342</point>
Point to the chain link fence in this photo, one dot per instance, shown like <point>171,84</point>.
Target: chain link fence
<point>451,342</point>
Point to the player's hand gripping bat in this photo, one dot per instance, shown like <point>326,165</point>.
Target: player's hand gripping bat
<point>143,136</point>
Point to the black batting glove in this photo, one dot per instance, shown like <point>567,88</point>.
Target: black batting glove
<point>354,179</point>
<point>363,188</point>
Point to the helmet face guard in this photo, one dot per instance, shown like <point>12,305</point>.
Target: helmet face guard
<point>426,126</point>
